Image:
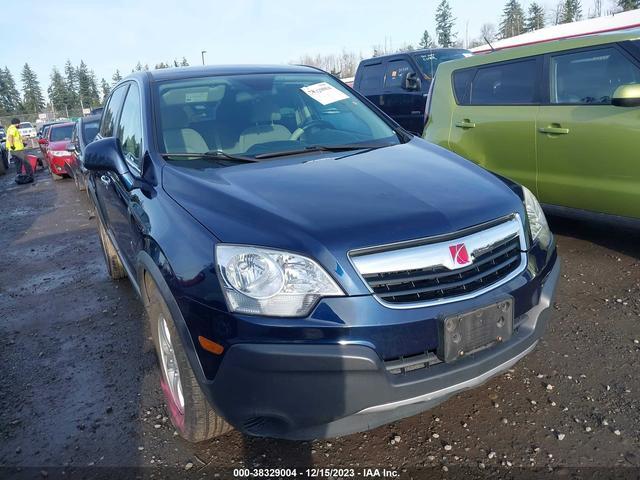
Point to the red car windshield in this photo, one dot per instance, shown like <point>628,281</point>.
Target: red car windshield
<point>61,133</point>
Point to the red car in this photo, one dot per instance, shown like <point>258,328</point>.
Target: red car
<point>57,153</point>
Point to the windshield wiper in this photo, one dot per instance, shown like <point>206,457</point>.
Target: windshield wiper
<point>319,148</point>
<point>212,154</point>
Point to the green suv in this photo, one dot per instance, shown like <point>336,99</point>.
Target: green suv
<point>561,117</point>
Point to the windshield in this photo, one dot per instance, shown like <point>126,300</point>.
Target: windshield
<point>90,130</point>
<point>262,114</point>
<point>429,61</point>
<point>25,125</point>
<point>61,133</point>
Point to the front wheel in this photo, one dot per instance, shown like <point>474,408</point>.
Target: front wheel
<point>188,407</point>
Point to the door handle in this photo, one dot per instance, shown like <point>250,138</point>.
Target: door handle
<point>554,130</point>
<point>105,180</point>
<point>466,123</point>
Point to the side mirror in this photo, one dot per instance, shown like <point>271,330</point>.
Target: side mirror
<point>410,81</point>
<point>104,155</point>
<point>71,147</point>
<point>626,96</point>
<point>43,141</point>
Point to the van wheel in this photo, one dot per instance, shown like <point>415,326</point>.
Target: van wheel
<point>188,408</point>
<point>115,269</point>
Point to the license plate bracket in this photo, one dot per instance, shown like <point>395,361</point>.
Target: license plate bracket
<point>469,332</point>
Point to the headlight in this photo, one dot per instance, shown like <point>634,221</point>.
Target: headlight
<point>262,281</point>
<point>59,153</point>
<point>537,221</point>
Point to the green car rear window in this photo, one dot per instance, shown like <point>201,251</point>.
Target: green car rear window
<point>462,85</point>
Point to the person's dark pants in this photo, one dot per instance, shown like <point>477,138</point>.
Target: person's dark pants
<point>18,157</point>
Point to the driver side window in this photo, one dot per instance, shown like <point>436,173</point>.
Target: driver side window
<point>129,130</point>
<point>396,70</point>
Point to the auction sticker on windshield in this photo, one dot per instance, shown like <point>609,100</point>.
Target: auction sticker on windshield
<point>324,93</point>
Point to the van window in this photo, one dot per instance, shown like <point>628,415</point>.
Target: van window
<point>110,115</point>
<point>589,77</point>
<point>511,83</point>
<point>396,69</point>
<point>371,82</point>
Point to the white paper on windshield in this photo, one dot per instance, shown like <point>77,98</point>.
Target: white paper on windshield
<point>324,93</point>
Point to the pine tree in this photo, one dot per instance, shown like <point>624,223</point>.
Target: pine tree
<point>625,5</point>
<point>138,66</point>
<point>87,88</point>
<point>10,101</point>
<point>71,81</point>
<point>184,62</point>
<point>31,91</point>
<point>426,41</point>
<point>512,19</point>
<point>535,18</point>
<point>444,24</point>
<point>57,90</point>
<point>106,89</point>
<point>116,77</point>
<point>571,11</point>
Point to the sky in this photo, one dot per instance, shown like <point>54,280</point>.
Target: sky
<point>116,34</point>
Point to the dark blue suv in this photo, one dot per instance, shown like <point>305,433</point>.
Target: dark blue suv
<point>308,267</point>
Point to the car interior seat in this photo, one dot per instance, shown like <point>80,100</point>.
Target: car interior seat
<point>178,136</point>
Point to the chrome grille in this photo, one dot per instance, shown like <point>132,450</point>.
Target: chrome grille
<point>427,274</point>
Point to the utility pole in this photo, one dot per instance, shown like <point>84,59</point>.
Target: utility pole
<point>202,53</point>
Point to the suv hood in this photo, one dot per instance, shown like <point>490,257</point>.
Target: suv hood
<point>59,145</point>
<point>338,202</point>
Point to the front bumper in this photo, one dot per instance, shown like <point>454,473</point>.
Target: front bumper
<point>58,165</point>
<point>302,391</point>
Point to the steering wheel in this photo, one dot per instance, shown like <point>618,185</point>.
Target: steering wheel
<point>308,125</point>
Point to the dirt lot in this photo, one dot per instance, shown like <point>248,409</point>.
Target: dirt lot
<point>80,384</point>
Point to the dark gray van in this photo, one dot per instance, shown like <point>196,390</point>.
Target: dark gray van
<point>399,84</point>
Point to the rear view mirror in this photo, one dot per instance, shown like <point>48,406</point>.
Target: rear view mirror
<point>626,96</point>
<point>410,81</point>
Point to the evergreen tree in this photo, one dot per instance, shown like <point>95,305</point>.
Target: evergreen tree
<point>106,89</point>
<point>535,18</point>
<point>138,66</point>
<point>116,77</point>
<point>10,101</point>
<point>184,62</point>
<point>512,23</point>
<point>87,88</point>
<point>625,5</point>
<point>71,81</point>
<point>33,101</point>
<point>444,24</point>
<point>426,41</point>
<point>57,90</point>
<point>571,11</point>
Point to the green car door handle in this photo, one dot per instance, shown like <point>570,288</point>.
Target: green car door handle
<point>466,123</point>
<point>554,130</point>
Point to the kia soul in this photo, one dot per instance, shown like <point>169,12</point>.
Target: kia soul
<point>308,268</point>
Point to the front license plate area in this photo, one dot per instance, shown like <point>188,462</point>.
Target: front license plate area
<point>466,333</point>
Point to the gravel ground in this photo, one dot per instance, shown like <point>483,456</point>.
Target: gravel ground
<point>80,386</point>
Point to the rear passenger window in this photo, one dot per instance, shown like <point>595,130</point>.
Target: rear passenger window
<point>108,126</point>
<point>589,77</point>
<point>371,82</point>
<point>462,85</point>
<point>395,72</point>
<point>505,84</point>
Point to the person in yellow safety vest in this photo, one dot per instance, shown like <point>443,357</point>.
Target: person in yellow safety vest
<point>16,147</point>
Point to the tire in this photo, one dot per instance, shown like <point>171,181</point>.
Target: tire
<point>194,420</point>
<point>115,269</point>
